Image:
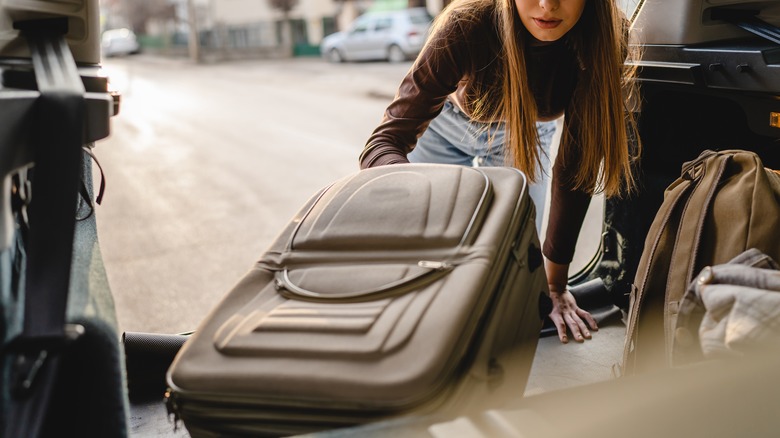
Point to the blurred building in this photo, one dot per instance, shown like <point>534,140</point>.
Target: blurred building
<point>229,29</point>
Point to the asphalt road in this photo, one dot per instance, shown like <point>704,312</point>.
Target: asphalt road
<point>205,164</point>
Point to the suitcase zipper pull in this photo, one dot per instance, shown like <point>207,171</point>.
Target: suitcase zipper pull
<point>437,266</point>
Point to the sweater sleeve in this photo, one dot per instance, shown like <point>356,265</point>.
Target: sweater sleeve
<point>420,97</point>
<point>568,207</point>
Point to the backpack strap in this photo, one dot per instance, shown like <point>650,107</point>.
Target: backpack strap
<point>688,238</point>
<point>676,198</point>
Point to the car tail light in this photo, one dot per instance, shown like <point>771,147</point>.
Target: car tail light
<point>413,33</point>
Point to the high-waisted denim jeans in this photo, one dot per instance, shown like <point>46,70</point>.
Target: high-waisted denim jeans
<point>453,138</point>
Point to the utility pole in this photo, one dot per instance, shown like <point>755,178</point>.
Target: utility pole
<point>193,40</point>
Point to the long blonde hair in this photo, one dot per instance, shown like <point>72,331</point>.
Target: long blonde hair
<point>600,120</point>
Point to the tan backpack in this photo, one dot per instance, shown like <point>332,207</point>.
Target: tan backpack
<point>723,204</point>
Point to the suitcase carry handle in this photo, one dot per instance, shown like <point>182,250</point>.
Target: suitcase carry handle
<point>434,271</point>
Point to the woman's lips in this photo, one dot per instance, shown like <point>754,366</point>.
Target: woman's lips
<point>547,24</point>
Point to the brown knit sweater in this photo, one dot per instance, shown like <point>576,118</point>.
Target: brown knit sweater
<point>458,62</point>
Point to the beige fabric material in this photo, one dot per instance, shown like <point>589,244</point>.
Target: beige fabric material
<point>738,318</point>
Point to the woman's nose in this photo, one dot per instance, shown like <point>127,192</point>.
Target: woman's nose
<point>549,5</point>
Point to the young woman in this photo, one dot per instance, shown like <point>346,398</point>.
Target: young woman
<point>489,72</point>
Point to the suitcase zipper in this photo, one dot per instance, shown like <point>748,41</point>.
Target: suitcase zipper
<point>435,270</point>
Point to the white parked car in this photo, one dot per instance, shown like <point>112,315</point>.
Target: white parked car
<point>118,42</point>
<point>394,36</point>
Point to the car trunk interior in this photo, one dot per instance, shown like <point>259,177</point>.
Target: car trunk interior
<point>677,122</point>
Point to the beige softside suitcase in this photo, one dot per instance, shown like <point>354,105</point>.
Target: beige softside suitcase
<point>398,290</point>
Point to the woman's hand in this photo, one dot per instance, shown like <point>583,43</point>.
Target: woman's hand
<point>565,313</point>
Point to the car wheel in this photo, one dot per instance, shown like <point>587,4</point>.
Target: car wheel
<point>395,54</point>
<point>334,56</point>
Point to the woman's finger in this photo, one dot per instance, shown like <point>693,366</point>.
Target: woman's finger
<point>584,314</point>
<point>561,326</point>
<point>583,328</point>
<point>575,327</point>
